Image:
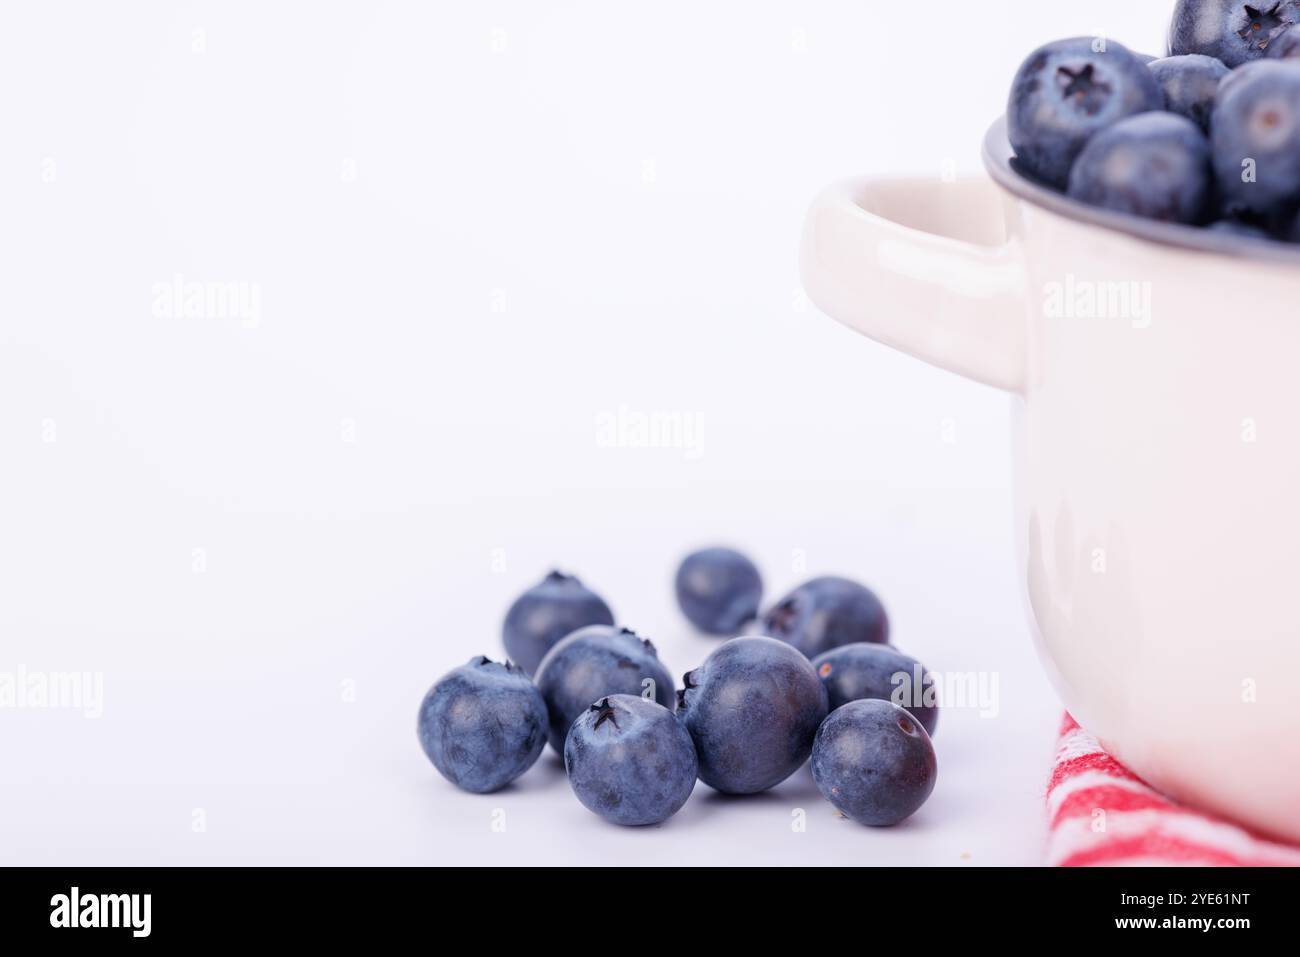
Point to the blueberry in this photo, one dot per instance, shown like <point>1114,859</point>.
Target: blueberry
<point>1230,30</point>
<point>825,613</point>
<point>541,616</point>
<point>855,672</point>
<point>1155,165</point>
<point>874,762</point>
<point>718,590</point>
<point>752,709</point>
<point>590,664</point>
<point>1064,93</point>
<point>482,725</point>
<point>1256,139</point>
<point>1189,84</point>
<point>1285,47</point>
<point>630,760</point>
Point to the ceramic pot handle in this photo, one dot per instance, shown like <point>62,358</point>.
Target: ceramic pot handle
<point>922,266</point>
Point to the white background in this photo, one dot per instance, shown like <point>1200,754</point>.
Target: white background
<point>475,229</point>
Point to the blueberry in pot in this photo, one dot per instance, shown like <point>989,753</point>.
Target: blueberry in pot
<point>860,671</point>
<point>825,613</point>
<point>752,710</point>
<point>1067,91</point>
<point>718,590</point>
<point>1285,47</point>
<point>541,616</point>
<point>630,760</point>
<point>1233,31</point>
<point>1292,233</point>
<point>482,725</point>
<point>1155,165</point>
<point>593,663</point>
<point>1190,84</point>
<point>1255,139</point>
<point>874,762</point>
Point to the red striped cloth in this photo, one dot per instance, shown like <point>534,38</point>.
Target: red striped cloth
<point>1101,813</point>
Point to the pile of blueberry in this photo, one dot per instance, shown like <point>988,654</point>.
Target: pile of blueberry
<point>826,684</point>
<point>1207,136</point>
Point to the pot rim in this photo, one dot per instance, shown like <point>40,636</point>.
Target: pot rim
<point>1000,161</point>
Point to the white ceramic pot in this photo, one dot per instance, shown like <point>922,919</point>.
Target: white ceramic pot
<point>1155,375</point>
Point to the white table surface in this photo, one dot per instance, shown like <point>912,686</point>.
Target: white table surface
<point>473,234</point>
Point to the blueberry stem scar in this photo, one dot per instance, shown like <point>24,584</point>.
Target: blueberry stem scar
<point>1084,87</point>
<point>1266,22</point>
<point>604,712</point>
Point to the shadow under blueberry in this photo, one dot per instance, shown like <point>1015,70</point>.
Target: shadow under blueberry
<point>547,773</point>
<point>794,791</point>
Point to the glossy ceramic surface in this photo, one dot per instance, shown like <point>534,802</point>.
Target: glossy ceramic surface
<point>1155,395</point>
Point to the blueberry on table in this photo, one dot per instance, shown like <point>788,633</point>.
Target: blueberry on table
<point>1255,139</point>
<point>482,725</point>
<point>1189,84</point>
<point>541,616</point>
<point>719,590</point>
<point>860,671</point>
<point>592,663</point>
<point>1155,165</point>
<point>874,762</point>
<point>1067,91</point>
<point>825,613</point>
<point>1233,31</point>
<point>630,760</point>
<point>752,709</point>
